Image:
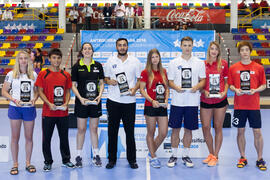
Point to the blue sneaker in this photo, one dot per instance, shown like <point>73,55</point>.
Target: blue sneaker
<point>155,163</point>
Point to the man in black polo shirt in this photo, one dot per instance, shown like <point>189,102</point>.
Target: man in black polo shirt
<point>87,84</point>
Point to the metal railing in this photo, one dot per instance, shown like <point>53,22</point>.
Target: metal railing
<point>33,14</point>
<point>245,21</point>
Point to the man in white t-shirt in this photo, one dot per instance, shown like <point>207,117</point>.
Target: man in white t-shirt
<point>130,16</point>
<point>186,75</point>
<point>87,12</point>
<point>119,13</point>
<point>122,74</point>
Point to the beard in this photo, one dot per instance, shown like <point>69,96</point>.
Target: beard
<point>122,54</point>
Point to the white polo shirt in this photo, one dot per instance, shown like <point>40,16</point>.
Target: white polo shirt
<point>17,83</point>
<point>132,68</point>
<point>175,73</point>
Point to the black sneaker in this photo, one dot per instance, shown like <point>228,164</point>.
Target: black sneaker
<point>97,161</point>
<point>110,165</point>
<point>187,162</point>
<point>78,160</point>
<point>261,165</point>
<point>172,161</point>
<point>47,167</point>
<point>68,165</point>
<point>133,165</point>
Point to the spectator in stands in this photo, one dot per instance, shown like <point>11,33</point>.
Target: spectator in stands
<point>88,13</point>
<point>7,15</point>
<point>264,5</point>
<point>39,59</point>
<point>31,53</point>
<point>130,16</point>
<point>242,5</point>
<point>22,7</point>
<point>138,16</point>
<point>73,18</point>
<point>107,13</point>
<point>119,13</point>
<point>1,14</point>
<point>176,27</point>
<point>254,7</point>
<point>43,11</point>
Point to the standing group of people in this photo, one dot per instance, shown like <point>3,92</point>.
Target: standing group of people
<point>193,82</point>
<point>131,14</point>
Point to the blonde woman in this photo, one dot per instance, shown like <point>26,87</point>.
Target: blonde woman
<point>21,108</point>
<point>214,101</point>
<point>155,80</point>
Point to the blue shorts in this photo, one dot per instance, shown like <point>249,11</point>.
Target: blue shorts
<point>188,114</point>
<point>240,118</point>
<point>24,113</point>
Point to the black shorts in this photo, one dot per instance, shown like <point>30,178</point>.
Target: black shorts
<point>92,111</point>
<point>74,21</point>
<point>217,105</point>
<point>151,111</point>
<point>240,118</point>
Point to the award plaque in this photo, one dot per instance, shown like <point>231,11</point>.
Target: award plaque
<point>245,81</point>
<point>214,85</point>
<point>160,94</point>
<point>122,83</point>
<point>186,82</point>
<point>25,94</point>
<point>91,89</point>
<point>58,95</point>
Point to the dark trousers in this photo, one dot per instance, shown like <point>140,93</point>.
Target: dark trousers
<point>48,124</point>
<point>88,23</point>
<point>118,21</point>
<point>116,112</point>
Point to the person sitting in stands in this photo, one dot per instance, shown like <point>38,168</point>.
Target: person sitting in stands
<point>7,15</point>
<point>264,5</point>
<point>254,7</point>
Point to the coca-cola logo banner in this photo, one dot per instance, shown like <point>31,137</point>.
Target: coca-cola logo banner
<point>214,16</point>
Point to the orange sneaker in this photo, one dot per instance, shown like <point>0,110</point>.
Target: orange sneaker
<point>213,161</point>
<point>242,162</point>
<point>208,159</point>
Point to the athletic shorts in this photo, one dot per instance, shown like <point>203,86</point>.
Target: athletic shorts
<point>240,118</point>
<point>92,111</point>
<point>187,114</point>
<point>151,111</point>
<point>22,113</point>
<point>217,105</point>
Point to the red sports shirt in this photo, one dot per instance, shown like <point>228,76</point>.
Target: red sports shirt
<point>257,78</point>
<point>49,81</point>
<point>223,74</point>
<point>151,91</point>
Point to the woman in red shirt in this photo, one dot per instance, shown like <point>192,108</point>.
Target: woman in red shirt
<point>155,80</point>
<point>214,101</point>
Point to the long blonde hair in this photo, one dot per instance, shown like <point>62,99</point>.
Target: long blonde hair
<point>16,69</point>
<point>149,68</point>
<point>219,63</point>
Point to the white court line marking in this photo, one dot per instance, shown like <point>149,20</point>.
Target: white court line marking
<point>148,175</point>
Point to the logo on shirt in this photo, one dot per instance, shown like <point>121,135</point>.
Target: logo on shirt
<point>252,72</point>
<point>114,66</point>
<point>81,69</point>
<point>179,67</point>
<point>96,70</point>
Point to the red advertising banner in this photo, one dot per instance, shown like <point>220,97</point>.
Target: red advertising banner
<point>214,16</point>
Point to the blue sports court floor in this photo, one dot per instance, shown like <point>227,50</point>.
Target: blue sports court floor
<point>225,170</point>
